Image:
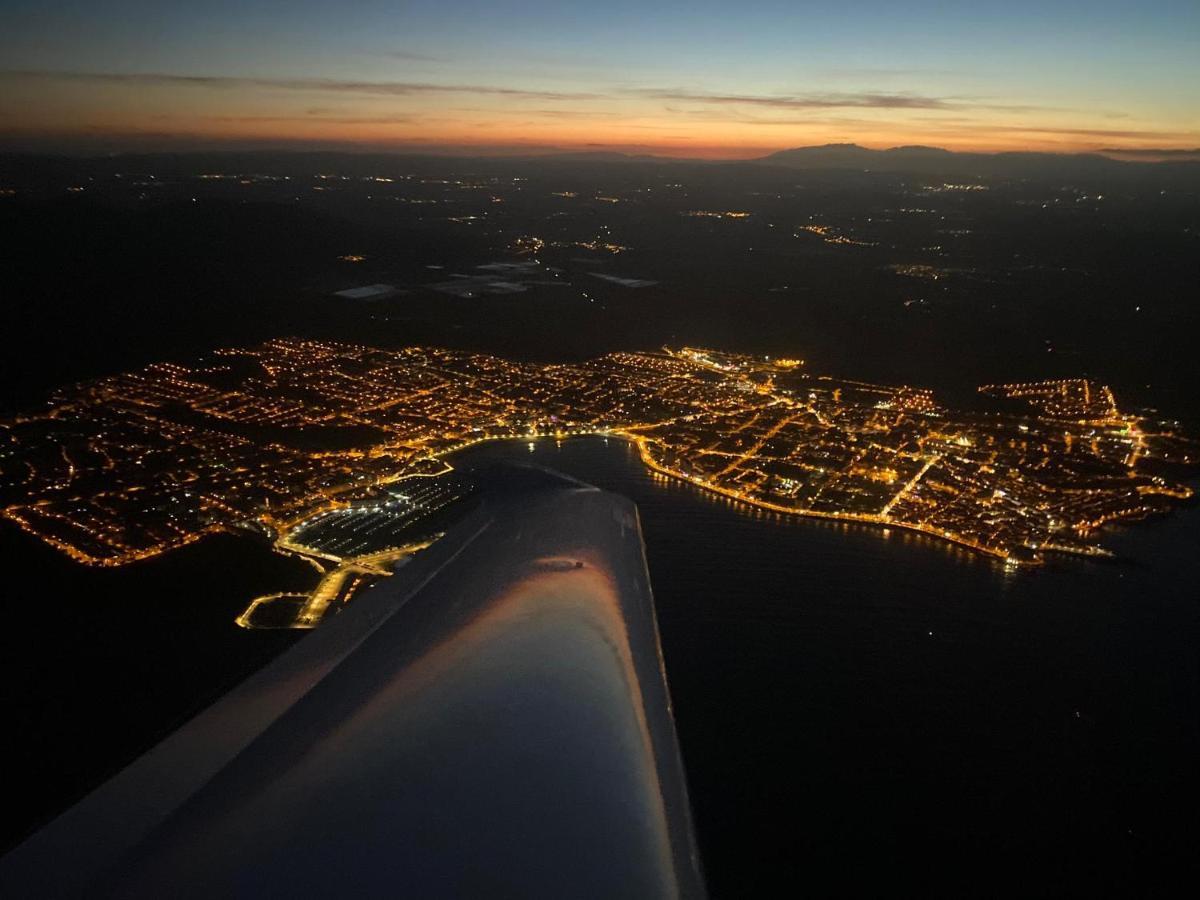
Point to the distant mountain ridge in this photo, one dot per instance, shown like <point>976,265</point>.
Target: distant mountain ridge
<point>937,160</point>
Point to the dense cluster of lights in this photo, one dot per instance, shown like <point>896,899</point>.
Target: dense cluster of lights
<point>134,465</point>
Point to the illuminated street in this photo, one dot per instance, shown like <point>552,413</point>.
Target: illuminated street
<point>305,439</point>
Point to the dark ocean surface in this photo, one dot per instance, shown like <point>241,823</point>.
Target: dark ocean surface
<point>860,711</point>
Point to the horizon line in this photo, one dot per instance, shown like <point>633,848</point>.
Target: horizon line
<point>91,147</point>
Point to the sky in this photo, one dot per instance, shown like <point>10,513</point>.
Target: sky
<point>704,79</point>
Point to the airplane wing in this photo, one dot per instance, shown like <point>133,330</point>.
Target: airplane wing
<point>491,721</point>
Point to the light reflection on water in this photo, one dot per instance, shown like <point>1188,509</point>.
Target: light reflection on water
<point>614,465</point>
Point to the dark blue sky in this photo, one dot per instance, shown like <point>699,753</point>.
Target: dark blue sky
<point>697,77</point>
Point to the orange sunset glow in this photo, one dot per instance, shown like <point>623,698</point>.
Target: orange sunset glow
<point>701,82</point>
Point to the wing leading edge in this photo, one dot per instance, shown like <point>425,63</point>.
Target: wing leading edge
<point>493,720</point>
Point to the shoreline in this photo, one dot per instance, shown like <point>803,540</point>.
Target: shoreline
<point>647,459</point>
